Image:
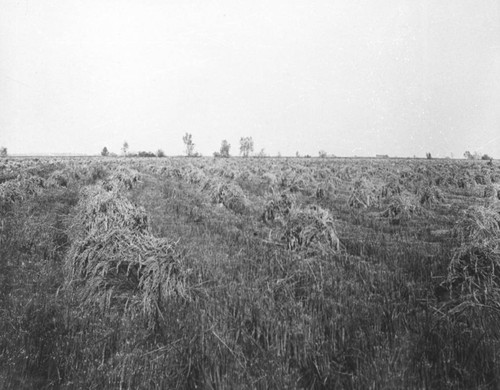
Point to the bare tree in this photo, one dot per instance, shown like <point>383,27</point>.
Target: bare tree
<point>125,148</point>
<point>188,142</point>
<point>246,146</point>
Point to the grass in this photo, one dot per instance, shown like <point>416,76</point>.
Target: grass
<point>210,274</point>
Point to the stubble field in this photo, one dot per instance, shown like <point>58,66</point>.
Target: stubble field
<point>249,273</point>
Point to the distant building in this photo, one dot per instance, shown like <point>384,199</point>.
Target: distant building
<point>382,156</point>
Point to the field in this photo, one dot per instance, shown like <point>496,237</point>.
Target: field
<point>249,273</point>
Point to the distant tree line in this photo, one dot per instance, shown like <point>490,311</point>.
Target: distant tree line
<point>246,149</point>
<point>105,152</point>
<point>476,156</point>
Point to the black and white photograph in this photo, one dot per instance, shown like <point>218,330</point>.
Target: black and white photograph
<point>249,194</point>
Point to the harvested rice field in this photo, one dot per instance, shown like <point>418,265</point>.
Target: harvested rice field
<point>249,273</point>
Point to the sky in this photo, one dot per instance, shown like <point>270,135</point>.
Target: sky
<point>396,77</point>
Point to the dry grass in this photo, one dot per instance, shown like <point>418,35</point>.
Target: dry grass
<point>64,177</point>
<point>114,260</point>
<point>474,271</point>
<point>18,190</point>
<point>363,194</point>
<point>278,206</point>
<point>402,207</point>
<point>430,196</point>
<point>10,192</point>
<point>391,188</point>
<point>196,176</point>
<point>126,177</point>
<point>255,310</point>
<point>492,193</point>
<point>478,224</point>
<point>228,194</point>
<point>101,209</point>
<point>310,229</point>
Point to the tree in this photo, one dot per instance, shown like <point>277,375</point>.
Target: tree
<point>125,148</point>
<point>486,157</point>
<point>3,151</point>
<point>246,146</point>
<point>145,154</point>
<point>469,156</point>
<point>224,149</point>
<point>262,153</point>
<point>188,142</point>
<point>105,152</point>
<point>160,153</point>
<point>428,155</point>
<point>322,154</point>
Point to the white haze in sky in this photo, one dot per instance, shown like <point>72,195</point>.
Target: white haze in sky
<point>397,77</point>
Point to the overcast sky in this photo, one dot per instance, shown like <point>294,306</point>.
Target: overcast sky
<point>397,77</point>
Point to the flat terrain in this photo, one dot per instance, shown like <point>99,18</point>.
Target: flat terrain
<point>249,273</point>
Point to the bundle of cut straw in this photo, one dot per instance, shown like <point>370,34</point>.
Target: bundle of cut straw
<point>228,194</point>
<point>311,228</point>
<point>402,207</point>
<point>474,270</point>
<point>115,259</point>
<point>430,196</point>
<point>278,206</point>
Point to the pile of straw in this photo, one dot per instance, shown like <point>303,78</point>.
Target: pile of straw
<point>492,193</point>
<point>474,271</point>
<point>269,179</point>
<point>115,259</point>
<point>100,210</point>
<point>125,177</point>
<point>465,180</point>
<point>363,194</point>
<point>482,178</point>
<point>64,177</point>
<point>58,178</point>
<point>402,207</point>
<point>391,188</point>
<point>324,190</point>
<point>22,187</point>
<point>196,176</point>
<point>7,174</point>
<point>295,182</point>
<point>310,229</point>
<point>430,196</point>
<point>10,192</point>
<point>278,206</point>
<point>478,225</point>
<point>228,194</point>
